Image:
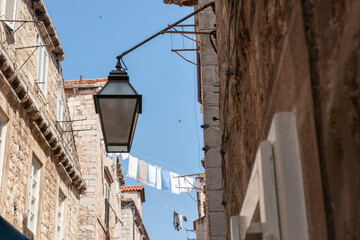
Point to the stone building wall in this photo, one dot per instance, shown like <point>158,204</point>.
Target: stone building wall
<point>300,57</point>
<point>33,132</point>
<point>93,162</point>
<point>127,230</point>
<point>209,84</point>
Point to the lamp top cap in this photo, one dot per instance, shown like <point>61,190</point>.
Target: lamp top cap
<point>119,73</point>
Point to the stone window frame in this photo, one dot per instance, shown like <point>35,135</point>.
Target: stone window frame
<point>35,164</point>
<point>60,216</point>
<point>10,25</point>
<point>42,67</point>
<point>3,128</point>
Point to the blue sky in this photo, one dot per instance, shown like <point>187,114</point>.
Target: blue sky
<point>92,35</point>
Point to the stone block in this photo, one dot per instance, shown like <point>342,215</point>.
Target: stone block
<point>213,157</point>
<point>210,95</point>
<point>217,224</point>
<point>214,200</point>
<point>213,178</point>
<point>208,57</point>
<point>209,75</point>
<point>209,113</point>
<point>207,19</point>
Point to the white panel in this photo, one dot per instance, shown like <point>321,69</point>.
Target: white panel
<point>289,182</point>
<point>234,228</point>
<point>267,189</point>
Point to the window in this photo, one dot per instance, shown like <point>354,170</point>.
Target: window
<point>107,204</point>
<point>34,186</point>
<point>8,12</point>
<point>60,217</point>
<point>60,112</point>
<point>42,67</point>
<point>2,145</point>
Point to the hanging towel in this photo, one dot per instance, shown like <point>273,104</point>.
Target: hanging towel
<point>174,183</point>
<point>199,186</point>
<point>165,180</point>
<point>142,174</point>
<point>151,175</point>
<point>176,221</point>
<point>124,156</point>
<point>186,184</point>
<point>158,178</point>
<point>133,166</point>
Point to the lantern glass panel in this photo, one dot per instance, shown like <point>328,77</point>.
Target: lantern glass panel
<point>114,87</point>
<point>118,118</point>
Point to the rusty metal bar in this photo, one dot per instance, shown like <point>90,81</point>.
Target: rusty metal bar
<point>13,33</point>
<point>32,53</point>
<point>186,59</point>
<point>74,120</point>
<point>185,35</point>
<point>186,25</point>
<point>165,29</point>
<point>79,130</point>
<point>35,46</point>
<point>24,21</point>
<point>187,32</point>
<point>184,50</point>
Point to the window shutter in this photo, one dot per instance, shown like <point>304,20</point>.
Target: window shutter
<point>59,114</point>
<point>42,68</point>
<point>259,213</point>
<point>9,12</point>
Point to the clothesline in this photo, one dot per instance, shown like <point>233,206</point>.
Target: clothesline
<point>159,161</point>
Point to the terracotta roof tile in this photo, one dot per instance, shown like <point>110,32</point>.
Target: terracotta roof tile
<point>86,81</point>
<point>138,188</point>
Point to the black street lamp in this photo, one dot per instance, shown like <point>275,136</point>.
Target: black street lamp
<point>118,105</point>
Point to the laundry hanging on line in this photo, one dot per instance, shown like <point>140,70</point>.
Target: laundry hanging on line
<point>174,183</point>
<point>124,156</point>
<point>178,220</point>
<point>155,176</point>
<point>186,184</point>
<point>142,175</point>
<point>158,178</point>
<point>151,175</point>
<point>133,165</point>
<point>165,180</point>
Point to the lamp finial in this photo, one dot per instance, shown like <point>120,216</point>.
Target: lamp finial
<point>118,65</point>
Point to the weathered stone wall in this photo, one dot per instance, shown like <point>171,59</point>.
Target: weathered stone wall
<point>127,230</point>
<point>201,228</point>
<point>92,160</point>
<point>209,84</point>
<point>303,57</point>
<point>24,141</point>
